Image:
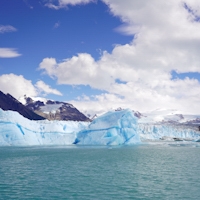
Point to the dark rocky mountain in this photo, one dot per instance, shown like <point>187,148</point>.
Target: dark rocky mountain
<point>55,110</point>
<point>8,102</point>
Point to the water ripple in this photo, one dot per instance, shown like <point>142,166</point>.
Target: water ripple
<point>140,172</point>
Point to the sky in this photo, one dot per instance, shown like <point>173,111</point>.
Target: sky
<point>103,54</point>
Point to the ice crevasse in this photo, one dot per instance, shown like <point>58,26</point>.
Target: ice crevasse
<point>112,128</point>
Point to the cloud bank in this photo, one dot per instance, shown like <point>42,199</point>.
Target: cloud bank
<point>138,75</point>
<point>18,86</point>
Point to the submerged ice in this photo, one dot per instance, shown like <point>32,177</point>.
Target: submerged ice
<point>112,128</point>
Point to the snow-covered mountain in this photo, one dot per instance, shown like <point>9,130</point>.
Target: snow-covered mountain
<point>169,116</point>
<point>54,110</point>
<point>8,102</point>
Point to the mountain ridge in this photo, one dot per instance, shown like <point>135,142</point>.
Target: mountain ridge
<point>55,110</point>
<point>8,102</point>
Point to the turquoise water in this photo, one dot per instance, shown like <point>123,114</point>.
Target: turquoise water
<point>138,172</point>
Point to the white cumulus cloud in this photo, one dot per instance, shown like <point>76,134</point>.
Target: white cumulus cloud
<point>18,86</point>
<point>46,89</point>
<point>8,53</point>
<point>78,70</point>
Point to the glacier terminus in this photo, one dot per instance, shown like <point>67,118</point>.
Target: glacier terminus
<point>121,127</point>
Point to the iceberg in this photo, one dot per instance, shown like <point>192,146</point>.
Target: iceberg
<point>113,128</point>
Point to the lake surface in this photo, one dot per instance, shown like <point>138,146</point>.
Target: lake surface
<point>136,172</point>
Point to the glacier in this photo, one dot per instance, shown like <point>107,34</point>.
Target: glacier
<point>113,128</point>
<point>167,132</point>
<point>17,130</point>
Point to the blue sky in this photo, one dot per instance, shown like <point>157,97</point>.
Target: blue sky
<point>102,54</point>
<point>43,32</point>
